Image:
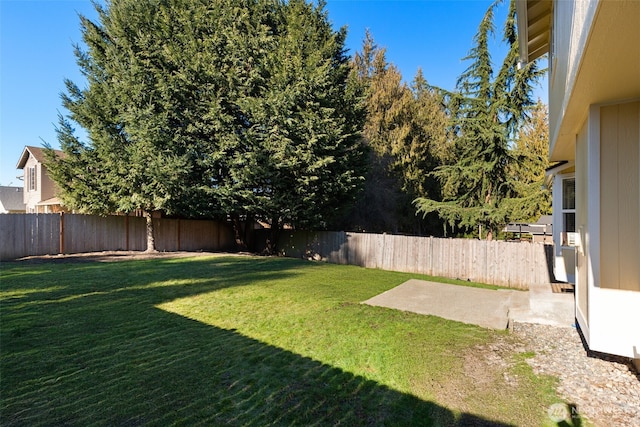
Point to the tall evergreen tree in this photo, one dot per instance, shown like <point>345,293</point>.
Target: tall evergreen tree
<point>301,158</point>
<point>200,108</point>
<point>380,85</point>
<point>424,145</point>
<point>486,111</point>
<point>531,198</point>
<point>405,128</point>
<point>135,159</point>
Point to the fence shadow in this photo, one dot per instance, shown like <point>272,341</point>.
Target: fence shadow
<point>88,351</point>
<point>549,257</point>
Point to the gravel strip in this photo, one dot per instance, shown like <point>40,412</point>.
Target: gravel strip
<point>605,389</point>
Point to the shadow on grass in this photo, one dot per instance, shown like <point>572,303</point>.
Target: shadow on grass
<point>85,344</point>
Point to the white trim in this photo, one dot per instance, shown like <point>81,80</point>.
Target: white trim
<point>593,7</point>
<point>553,60</point>
<point>622,101</point>
<point>593,202</point>
<point>523,29</point>
<point>560,168</point>
<point>615,319</point>
<point>559,269</point>
<point>584,324</point>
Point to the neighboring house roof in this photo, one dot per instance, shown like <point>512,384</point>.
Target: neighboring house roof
<point>37,153</point>
<point>11,199</point>
<point>545,220</point>
<point>50,202</point>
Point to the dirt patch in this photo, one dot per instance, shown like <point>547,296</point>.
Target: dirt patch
<point>115,256</point>
<point>487,380</point>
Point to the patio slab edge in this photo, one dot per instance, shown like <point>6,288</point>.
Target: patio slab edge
<point>483,307</point>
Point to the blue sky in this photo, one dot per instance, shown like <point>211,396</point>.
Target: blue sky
<point>37,37</point>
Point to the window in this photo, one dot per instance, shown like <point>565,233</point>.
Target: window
<point>32,178</point>
<point>568,209</point>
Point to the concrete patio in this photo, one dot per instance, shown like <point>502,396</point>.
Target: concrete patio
<point>488,308</point>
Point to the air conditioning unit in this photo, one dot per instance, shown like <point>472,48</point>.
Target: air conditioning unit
<point>570,239</point>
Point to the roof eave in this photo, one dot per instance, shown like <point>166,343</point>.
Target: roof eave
<point>521,16</point>
<point>23,158</point>
<point>534,27</point>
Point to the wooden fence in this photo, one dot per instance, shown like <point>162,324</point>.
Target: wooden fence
<point>512,264</point>
<point>49,234</point>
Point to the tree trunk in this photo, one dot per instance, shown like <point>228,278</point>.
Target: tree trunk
<point>240,233</point>
<point>237,231</point>
<point>272,246</point>
<point>151,242</point>
<point>248,232</point>
<point>490,234</point>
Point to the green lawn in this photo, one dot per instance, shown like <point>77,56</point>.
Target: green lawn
<point>241,341</point>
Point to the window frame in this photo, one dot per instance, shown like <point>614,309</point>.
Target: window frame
<point>32,176</point>
<point>567,210</point>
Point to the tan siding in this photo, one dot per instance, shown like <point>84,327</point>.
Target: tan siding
<point>48,187</point>
<point>620,196</point>
<point>629,182</point>
<point>609,197</point>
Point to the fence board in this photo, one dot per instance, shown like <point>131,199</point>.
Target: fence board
<point>88,233</point>
<point>205,235</point>
<point>512,264</point>
<point>12,240</point>
<point>28,234</point>
<point>40,234</point>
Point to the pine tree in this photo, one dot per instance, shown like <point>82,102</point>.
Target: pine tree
<point>487,111</point>
<point>380,85</point>
<point>423,147</point>
<point>134,160</point>
<point>405,126</point>
<point>304,159</point>
<point>531,197</point>
<point>231,108</point>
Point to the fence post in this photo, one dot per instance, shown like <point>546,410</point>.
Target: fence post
<point>61,249</point>
<point>126,232</point>
<point>178,234</point>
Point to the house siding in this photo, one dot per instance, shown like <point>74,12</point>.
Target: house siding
<point>48,186</point>
<point>45,188</point>
<point>32,196</point>
<point>620,196</point>
<point>570,29</point>
<point>595,120</point>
